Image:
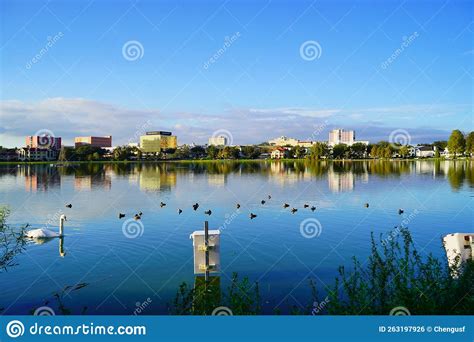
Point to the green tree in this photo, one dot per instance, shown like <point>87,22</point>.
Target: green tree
<point>319,150</point>
<point>251,152</point>
<point>374,151</point>
<point>198,152</point>
<point>66,153</point>
<point>441,144</point>
<point>339,151</point>
<point>404,151</point>
<point>123,153</point>
<point>212,152</point>
<point>470,144</point>
<point>299,152</point>
<point>456,143</point>
<point>358,150</point>
<point>387,152</point>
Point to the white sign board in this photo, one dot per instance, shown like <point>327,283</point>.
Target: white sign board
<point>200,251</point>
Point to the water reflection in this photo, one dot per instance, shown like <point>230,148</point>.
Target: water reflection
<point>43,241</point>
<point>40,178</point>
<point>341,175</point>
<point>156,177</point>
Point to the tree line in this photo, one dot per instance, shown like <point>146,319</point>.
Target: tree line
<point>458,144</point>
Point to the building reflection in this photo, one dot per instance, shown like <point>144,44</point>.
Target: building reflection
<point>40,177</point>
<point>341,175</point>
<point>157,177</point>
<point>216,179</point>
<point>101,181</point>
<point>340,182</point>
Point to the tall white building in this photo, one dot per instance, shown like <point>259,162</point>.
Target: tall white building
<point>218,141</point>
<point>341,136</point>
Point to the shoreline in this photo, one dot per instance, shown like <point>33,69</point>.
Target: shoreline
<point>75,162</point>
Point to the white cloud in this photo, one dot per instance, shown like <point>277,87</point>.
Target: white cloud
<point>308,112</point>
<point>70,117</point>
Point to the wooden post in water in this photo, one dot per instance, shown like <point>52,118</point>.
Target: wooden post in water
<point>206,245</point>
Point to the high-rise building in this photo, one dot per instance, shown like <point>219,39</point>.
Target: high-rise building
<point>158,141</point>
<point>218,141</point>
<point>341,136</point>
<point>43,142</point>
<point>105,141</point>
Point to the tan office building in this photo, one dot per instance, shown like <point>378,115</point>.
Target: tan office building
<point>105,141</point>
<point>157,141</point>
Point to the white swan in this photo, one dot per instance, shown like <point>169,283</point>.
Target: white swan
<point>43,233</point>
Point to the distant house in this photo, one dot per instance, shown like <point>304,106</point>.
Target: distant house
<point>305,144</point>
<point>425,151</point>
<point>279,153</point>
<point>283,141</point>
<point>37,154</point>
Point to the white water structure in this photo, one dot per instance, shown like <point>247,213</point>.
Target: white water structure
<point>459,248</point>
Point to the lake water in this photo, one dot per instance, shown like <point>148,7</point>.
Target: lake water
<point>120,271</point>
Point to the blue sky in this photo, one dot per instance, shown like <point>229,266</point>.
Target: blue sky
<point>380,66</point>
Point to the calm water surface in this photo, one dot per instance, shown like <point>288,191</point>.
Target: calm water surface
<point>120,272</point>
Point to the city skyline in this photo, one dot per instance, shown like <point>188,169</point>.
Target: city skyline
<point>374,69</point>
